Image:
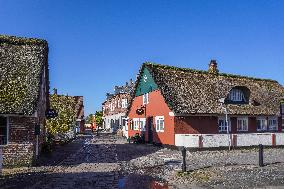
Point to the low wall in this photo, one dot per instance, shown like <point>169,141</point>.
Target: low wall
<point>222,140</point>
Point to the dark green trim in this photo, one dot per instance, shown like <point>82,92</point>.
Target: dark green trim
<point>146,83</point>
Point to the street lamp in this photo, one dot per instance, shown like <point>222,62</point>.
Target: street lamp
<point>222,101</point>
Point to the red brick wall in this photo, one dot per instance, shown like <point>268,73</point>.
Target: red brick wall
<point>196,125</point>
<point>156,107</point>
<point>209,125</point>
<point>21,143</point>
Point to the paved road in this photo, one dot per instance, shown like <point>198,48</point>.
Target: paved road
<point>94,164</point>
<point>103,162</point>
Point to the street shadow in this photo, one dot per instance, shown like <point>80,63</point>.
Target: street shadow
<point>96,180</point>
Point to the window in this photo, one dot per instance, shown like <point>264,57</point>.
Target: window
<point>124,103</point>
<point>160,123</point>
<point>261,124</point>
<point>272,124</point>
<point>222,124</point>
<point>236,95</point>
<point>282,108</point>
<point>242,124</point>
<point>3,130</point>
<point>142,124</point>
<point>136,124</point>
<point>282,123</point>
<point>146,98</point>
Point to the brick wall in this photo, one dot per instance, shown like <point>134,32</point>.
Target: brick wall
<point>20,149</point>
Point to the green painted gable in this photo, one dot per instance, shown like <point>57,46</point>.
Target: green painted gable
<point>146,83</point>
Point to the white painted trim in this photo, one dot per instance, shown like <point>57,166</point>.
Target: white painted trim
<point>243,118</point>
<point>134,128</point>
<point>266,123</point>
<point>172,114</point>
<point>229,123</point>
<point>147,98</point>
<point>144,121</point>
<point>159,118</point>
<point>272,118</point>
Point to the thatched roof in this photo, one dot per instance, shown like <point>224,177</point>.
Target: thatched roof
<point>22,63</point>
<point>188,91</point>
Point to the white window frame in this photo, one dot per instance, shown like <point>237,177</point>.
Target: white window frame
<point>142,122</point>
<point>274,126</point>
<point>136,123</point>
<point>236,95</point>
<point>242,119</point>
<point>145,98</point>
<point>223,128</point>
<point>158,123</point>
<point>124,103</point>
<point>264,123</point>
<point>7,130</point>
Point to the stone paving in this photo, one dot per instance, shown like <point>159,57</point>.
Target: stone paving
<point>107,161</point>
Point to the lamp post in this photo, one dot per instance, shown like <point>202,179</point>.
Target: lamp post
<point>222,101</point>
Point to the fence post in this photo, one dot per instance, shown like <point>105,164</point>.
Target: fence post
<point>1,160</point>
<point>183,151</point>
<point>260,154</point>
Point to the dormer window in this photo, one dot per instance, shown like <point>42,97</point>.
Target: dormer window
<point>237,95</point>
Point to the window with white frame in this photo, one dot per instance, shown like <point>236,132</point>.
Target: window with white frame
<point>261,123</point>
<point>3,130</point>
<point>222,124</point>
<point>136,124</point>
<point>145,98</point>
<point>160,123</point>
<point>236,95</point>
<point>272,124</point>
<point>242,124</point>
<point>124,103</point>
<point>142,124</point>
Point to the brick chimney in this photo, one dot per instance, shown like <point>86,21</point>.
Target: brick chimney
<point>213,67</point>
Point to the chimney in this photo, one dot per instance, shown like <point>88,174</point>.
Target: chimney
<point>55,91</point>
<point>213,67</point>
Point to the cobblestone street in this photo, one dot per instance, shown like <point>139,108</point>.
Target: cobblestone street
<point>107,161</point>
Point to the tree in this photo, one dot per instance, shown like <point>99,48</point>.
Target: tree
<point>99,118</point>
<point>65,107</point>
<point>90,119</point>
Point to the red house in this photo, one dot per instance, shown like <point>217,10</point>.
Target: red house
<point>186,107</point>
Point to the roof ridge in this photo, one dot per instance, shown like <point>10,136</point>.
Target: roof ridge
<point>21,40</point>
<point>206,72</point>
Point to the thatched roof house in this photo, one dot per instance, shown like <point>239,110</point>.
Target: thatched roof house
<point>189,91</point>
<point>24,98</point>
<point>22,63</point>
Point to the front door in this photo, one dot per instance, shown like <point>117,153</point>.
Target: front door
<point>149,129</point>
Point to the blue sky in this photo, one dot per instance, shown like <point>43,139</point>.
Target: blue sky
<point>97,44</point>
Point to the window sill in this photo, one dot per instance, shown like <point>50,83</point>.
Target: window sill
<point>160,131</point>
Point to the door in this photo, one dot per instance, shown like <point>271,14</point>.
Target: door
<point>149,129</point>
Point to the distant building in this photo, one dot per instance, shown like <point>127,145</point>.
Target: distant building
<point>79,108</point>
<point>24,98</point>
<point>115,107</point>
